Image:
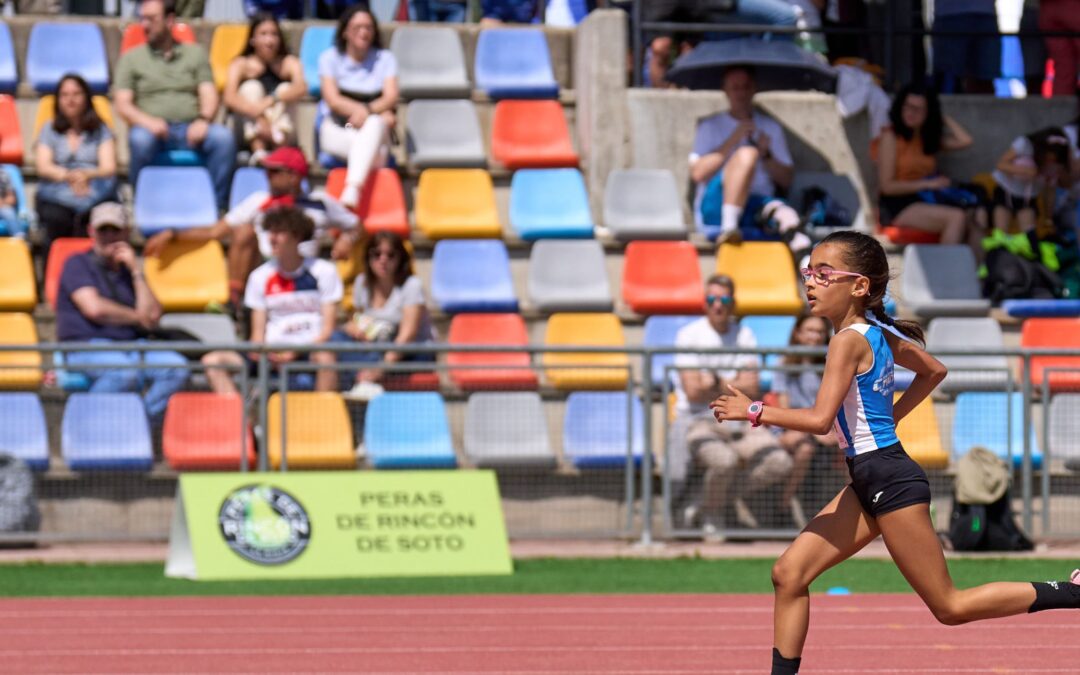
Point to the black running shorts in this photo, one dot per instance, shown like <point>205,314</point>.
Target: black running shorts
<point>887,479</point>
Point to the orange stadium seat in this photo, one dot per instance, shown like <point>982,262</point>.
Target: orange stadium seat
<point>457,203</point>
<point>567,370</point>
<point>900,235</point>
<point>18,289</point>
<point>920,435</point>
<point>203,432</point>
<point>11,145</point>
<point>764,276</point>
<point>47,107</point>
<point>502,370</point>
<point>134,35</point>
<point>662,277</point>
<point>382,201</point>
<point>318,431</point>
<point>19,370</point>
<point>188,276</point>
<point>1053,332</point>
<point>225,45</point>
<point>531,134</point>
<point>59,252</point>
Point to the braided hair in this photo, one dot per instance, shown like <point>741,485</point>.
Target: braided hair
<point>864,255</point>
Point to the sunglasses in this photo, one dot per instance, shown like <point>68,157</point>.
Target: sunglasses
<point>389,255</point>
<point>725,300</point>
<point>825,275</point>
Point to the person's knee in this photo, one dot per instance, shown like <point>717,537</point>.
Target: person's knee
<point>787,578</point>
<point>742,160</point>
<point>219,140</point>
<point>948,612</point>
<point>141,143</point>
<point>323,358</point>
<point>717,457</point>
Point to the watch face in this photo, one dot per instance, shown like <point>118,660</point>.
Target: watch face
<point>755,407</point>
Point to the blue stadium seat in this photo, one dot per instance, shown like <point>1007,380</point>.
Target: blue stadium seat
<point>770,331</point>
<point>56,49</point>
<point>404,430</point>
<point>106,432</point>
<point>660,331</point>
<point>9,75</point>
<point>535,215</point>
<point>1030,308</point>
<point>22,205</point>
<point>22,429</point>
<point>316,40</point>
<point>472,275</point>
<point>985,418</point>
<point>595,428</point>
<point>175,197</point>
<point>514,63</point>
<point>246,180</point>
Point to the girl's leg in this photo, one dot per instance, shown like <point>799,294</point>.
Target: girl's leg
<point>253,91</point>
<point>949,221</point>
<point>1025,220</point>
<point>914,546</point>
<point>801,446</point>
<point>359,147</point>
<point>1002,219</point>
<point>839,531</point>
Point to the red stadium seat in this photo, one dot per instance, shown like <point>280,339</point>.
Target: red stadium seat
<point>899,234</point>
<point>425,380</point>
<point>1053,332</point>
<point>662,277</point>
<point>508,370</point>
<point>134,35</point>
<point>59,252</point>
<point>382,203</point>
<point>202,432</point>
<point>11,145</point>
<point>531,134</point>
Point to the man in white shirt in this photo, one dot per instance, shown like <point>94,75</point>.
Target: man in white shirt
<point>293,301</point>
<point>718,452</point>
<point>746,152</point>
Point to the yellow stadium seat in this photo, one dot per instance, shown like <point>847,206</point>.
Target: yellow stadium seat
<point>18,291</point>
<point>457,203</point>
<point>764,275</point>
<point>566,370</point>
<point>188,276</point>
<point>921,437</point>
<point>19,370</point>
<point>228,41</point>
<point>47,105</point>
<point>318,431</point>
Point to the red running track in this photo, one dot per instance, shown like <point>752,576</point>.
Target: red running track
<point>541,635</point>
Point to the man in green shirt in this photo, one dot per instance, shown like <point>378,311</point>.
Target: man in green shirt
<point>165,92</point>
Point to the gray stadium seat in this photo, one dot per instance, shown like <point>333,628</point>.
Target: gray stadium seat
<point>967,373</point>
<point>1064,433</point>
<point>208,328</point>
<point>839,188</point>
<point>431,63</point>
<point>507,429</point>
<point>444,134</point>
<point>569,275</point>
<point>940,280</point>
<point>643,204</point>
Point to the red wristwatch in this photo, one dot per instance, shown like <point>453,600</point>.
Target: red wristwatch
<point>753,413</point>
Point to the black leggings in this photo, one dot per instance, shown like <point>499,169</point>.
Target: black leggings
<point>59,221</point>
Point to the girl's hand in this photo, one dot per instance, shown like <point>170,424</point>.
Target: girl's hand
<point>731,407</point>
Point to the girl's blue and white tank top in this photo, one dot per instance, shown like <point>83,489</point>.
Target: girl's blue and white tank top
<point>865,420</point>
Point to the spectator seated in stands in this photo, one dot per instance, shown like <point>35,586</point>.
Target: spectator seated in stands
<point>293,300</point>
<point>720,453</point>
<point>739,160</point>
<point>104,297</point>
<point>75,159</point>
<point>441,11</point>
<point>360,92</point>
<point>799,390</point>
<point>390,307</point>
<point>9,219</point>
<point>262,86</point>
<point>286,169</point>
<point>1032,164</point>
<point>971,56</point>
<point>165,91</point>
<point>497,12</point>
<point>913,193</point>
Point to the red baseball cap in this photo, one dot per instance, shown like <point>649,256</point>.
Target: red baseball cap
<point>288,158</point>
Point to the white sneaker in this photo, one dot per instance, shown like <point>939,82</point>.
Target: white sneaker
<point>744,515</point>
<point>363,391</point>
<point>713,531</point>
<point>350,196</point>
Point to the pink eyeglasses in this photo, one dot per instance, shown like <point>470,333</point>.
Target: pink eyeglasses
<point>825,275</point>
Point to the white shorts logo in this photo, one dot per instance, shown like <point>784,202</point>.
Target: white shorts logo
<point>878,496</point>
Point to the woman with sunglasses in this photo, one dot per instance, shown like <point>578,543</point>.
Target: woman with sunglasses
<point>390,307</point>
<point>889,493</point>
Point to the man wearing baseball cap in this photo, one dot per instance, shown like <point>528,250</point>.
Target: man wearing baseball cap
<point>104,297</point>
<point>286,169</point>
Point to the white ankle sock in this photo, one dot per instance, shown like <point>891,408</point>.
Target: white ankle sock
<point>729,217</point>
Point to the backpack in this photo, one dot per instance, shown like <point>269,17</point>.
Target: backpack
<point>986,527</point>
<point>18,506</point>
<point>1009,276</point>
<point>820,209</point>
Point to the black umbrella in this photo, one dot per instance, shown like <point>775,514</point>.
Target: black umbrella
<point>777,66</point>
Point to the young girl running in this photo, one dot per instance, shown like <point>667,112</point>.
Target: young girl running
<point>889,493</point>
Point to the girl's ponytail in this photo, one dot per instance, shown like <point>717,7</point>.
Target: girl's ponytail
<point>909,329</point>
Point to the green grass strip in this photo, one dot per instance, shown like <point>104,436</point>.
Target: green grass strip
<point>560,576</point>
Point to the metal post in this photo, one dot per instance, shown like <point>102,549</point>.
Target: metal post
<point>628,468</point>
<point>665,475</point>
<point>264,395</point>
<point>284,409</point>
<point>1045,482</point>
<point>647,456</point>
<point>245,389</point>
<point>638,43</point>
<point>1029,517</point>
